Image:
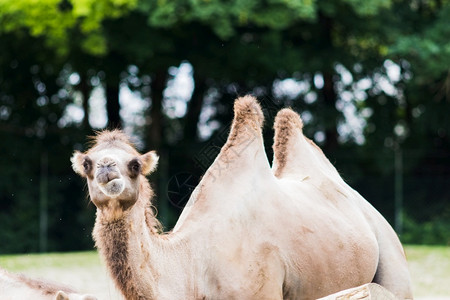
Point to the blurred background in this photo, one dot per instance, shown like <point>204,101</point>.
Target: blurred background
<point>370,78</point>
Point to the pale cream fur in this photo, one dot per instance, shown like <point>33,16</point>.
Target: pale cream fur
<point>296,231</point>
<point>15,287</point>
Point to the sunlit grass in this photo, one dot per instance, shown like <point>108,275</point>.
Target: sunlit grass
<point>19,263</point>
<point>430,270</point>
<point>82,271</point>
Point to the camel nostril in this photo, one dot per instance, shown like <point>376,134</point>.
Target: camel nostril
<point>112,175</point>
<point>105,175</point>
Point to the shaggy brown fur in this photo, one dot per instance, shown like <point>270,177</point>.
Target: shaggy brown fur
<point>112,241</point>
<point>286,124</point>
<point>112,230</point>
<point>11,284</point>
<point>45,287</point>
<point>111,236</point>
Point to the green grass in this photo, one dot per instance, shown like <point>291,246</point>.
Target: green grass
<point>430,270</point>
<point>429,266</point>
<point>83,271</point>
<point>20,263</point>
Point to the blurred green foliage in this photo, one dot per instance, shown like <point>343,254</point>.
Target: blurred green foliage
<point>382,63</point>
<point>55,20</point>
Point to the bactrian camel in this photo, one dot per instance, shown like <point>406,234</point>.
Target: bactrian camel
<point>248,231</point>
<point>20,287</point>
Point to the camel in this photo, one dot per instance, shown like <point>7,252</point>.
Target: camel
<point>18,286</point>
<point>295,230</point>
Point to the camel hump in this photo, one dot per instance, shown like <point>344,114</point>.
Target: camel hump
<point>244,148</point>
<point>246,126</point>
<point>288,134</point>
<point>294,154</point>
<point>247,111</point>
<point>287,125</point>
<point>287,118</point>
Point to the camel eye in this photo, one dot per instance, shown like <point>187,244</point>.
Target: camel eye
<point>87,165</point>
<point>134,166</point>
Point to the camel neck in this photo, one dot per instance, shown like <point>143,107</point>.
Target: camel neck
<point>137,257</point>
<point>116,245</point>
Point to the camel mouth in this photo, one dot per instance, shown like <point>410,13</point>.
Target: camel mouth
<point>113,188</point>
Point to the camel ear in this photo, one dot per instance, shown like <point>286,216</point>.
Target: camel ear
<point>81,163</point>
<point>61,296</point>
<point>149,162</point>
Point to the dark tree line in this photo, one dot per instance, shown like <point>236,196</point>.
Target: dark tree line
<point>370,78</point>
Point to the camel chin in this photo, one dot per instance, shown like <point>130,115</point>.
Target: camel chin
<point>113,188</point>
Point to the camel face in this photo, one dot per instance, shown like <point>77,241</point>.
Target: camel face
<point>114,177</point>
<point>113,171</point>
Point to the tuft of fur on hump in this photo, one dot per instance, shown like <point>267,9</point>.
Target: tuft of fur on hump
<point>248,119</point>
<point>248,109</point>
<point>287,122</point>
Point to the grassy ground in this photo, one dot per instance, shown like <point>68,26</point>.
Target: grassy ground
<point>429,265</point>
<point>83,271</point>
<point>430,271</point>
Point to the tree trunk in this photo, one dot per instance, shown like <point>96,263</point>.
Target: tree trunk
<point>194,109</point>
<point>85,90</point>
<point>329,96</point>
<point>330,113</point>
<point>158,85</point>
<point>112,102</point>
<point>155,142</point>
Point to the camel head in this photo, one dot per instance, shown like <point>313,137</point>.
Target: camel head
<point>114,170</point>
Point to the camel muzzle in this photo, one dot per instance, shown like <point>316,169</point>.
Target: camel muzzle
<point>106,174</point>
<point>109,181</point>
